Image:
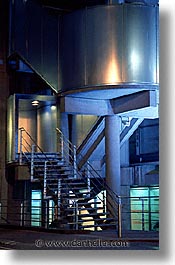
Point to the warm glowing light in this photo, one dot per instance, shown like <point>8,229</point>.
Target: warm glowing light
<point>53,107</point>
<point>113,71</point>
<point>35,103</point>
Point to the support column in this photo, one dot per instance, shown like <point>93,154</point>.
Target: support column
<point>112,147</point>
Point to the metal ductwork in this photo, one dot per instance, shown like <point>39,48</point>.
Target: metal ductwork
<point>109,48</point>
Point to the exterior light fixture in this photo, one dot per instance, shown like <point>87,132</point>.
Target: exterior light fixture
<point>53,107</point>
<point>35,103</point>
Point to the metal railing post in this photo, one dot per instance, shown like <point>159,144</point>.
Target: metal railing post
<point>45,179</point>
<point>20,145</point>
<point>88,178</point>
<point>59,197</point>
<point>62,146</point>
<point>75,161</point>
<point>22,214</point>
<point>119,217</point>
<point>143,214</point>
<point>46,214</point>
<point>32,163</point>
<point>104,201</point>
<point>76,215</point>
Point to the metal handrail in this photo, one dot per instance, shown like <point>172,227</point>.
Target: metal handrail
<point>35,143</point>
<point>22,129</point>
<point>23,215</point>
<point>71,153</point>
<point>113,195</point>
<point>73,147</point>
<point>93,170</point>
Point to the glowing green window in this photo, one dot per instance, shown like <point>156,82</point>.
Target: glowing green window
<point>36,208</point>
<point>144,208</point>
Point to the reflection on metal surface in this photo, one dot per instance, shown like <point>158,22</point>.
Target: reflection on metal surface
<point>109,45</point>
<point>135,61</point>
<point>112,76</point>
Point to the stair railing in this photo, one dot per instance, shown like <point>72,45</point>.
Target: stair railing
<point>69,153</point>
<point>68,150</point>
<point>89,170</point>
<point>25,145</point>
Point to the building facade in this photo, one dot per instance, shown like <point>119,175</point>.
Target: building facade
<point>80,129</point>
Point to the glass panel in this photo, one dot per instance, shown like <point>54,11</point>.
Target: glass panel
<point>145,208</point>
<point>51,211</point>
<point>154,208</point>
<point>36,208</point>
<point>139,209</point>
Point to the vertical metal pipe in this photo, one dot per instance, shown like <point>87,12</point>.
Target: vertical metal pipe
<point>20,146</point>
<point>45,179</point>
<point>143,215</point>
<point>119,217</point>
<point>88,178</point>
<point>96,207</point>
<point>59,197</point>
<point>22,214</point>
<point>76,215</point>
<point>75,161</point>
<point>62,146</point>
<point>46,214</point>
<point>32,163</point>
<point>104,202</point>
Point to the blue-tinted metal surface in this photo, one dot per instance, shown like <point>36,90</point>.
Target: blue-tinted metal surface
<point>109,45</point>
<point>72,50</point>
<point>34,36</point>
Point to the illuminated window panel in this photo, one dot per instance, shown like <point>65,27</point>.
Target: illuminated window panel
<point>145,208</point>
<point>36,208</point>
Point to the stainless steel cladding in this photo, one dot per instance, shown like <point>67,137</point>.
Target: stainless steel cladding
<point>109,45</point>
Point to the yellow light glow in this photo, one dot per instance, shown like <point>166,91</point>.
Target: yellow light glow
<point>113,70</point>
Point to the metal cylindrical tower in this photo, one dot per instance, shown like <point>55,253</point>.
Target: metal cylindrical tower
<point>112,48</point>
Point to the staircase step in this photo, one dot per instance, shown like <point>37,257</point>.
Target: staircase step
<point>52,167</point>
<point>84,209</point>
<point>88,203</point>
<point>95,220</point>
<point>35,180</point>
<point>91,209</point>
<point>89,215</point>
<point>97,225</point>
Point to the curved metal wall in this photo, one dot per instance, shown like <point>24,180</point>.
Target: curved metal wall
<point>109,45</point>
